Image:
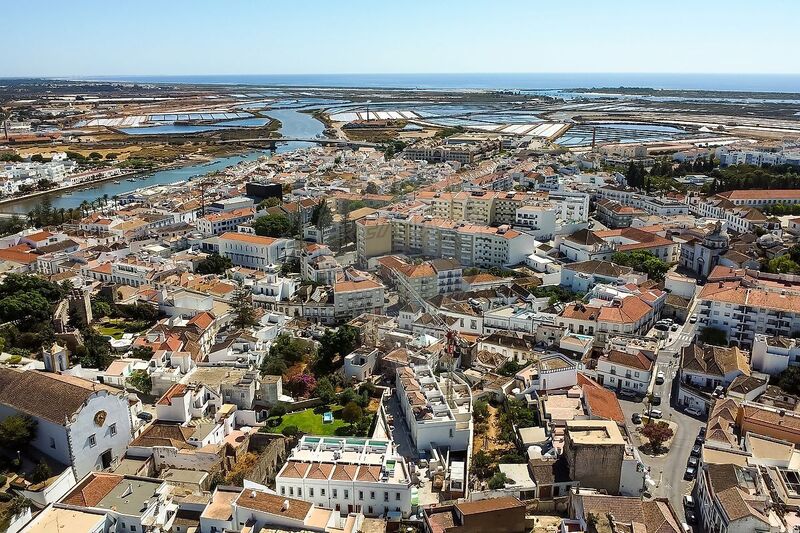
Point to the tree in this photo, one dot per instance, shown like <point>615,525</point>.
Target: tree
<point>481,463</point>
<point>290,349</point>
<point>336,344</point>
<point>41,472</point>
<point>290,431</point>
<point>96,156</point>
<point>273,225</point>
<point>142,352</point>
<point>214,264</point>
<point>322,218</point>
<point>656,434</point>
<point>642,261</point>
<point>140,380</point>
<point>371,188</point>
<point>714,336</point>
<point>273,366</point>
<point>325,391</point>
<point>269,202</point>
<point>17,431</point>
<point>241,469</point>
<point>101,308</point>
<point>498,481</point>
<point>352,413</point>
<point>278,411</point>
<point>243,310</point>
<point>302,384</point>
<point>783,265</point>
<point>789,380</point>
<point>480,410</point>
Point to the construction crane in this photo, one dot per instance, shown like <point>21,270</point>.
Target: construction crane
<point>451,336</point>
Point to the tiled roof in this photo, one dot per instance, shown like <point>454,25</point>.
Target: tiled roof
<point>273,504</point>
<point>93,489</point>
<point>53,397</point>
<point>637,360</point>
<point>713,360</point>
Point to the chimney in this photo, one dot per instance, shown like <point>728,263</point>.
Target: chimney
<point>252,494</point>
<point>285,506</point>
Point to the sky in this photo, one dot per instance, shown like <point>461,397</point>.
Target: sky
<point>182,37</point>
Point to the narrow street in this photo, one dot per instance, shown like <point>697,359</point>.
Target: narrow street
<point>668,470</point>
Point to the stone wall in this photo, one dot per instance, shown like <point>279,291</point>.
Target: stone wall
<point>271,449</point>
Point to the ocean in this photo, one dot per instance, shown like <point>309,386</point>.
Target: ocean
<point>780,83</point>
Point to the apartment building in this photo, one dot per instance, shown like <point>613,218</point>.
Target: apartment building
<point>318,264</point>
<point>224,221</point>
<point>538,219</point>
<point>355,292</point>
<point>757,156</point>
<point>438,411</point>
<point>348,475</point>
<point>253,251</point>
<point>469,244</point>
<point>580,277</point>
<point>642,239</point>
<point>744,308</point>
<point>616,215</point>
<point>654,205</point>
<point>464,153</point>
<point>740,218</point>
<point>571,206</point>
<point>415,280</point>
<point>449,275</point>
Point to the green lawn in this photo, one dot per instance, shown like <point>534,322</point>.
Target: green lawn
<point>310,422</point>
<point>111,330</point>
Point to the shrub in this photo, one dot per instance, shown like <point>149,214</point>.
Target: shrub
<point>14,360</point>
<point>290,431</point>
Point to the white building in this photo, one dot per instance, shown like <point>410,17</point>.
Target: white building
<point>360,364</point>
<point>348,475</point>
<point>252,251</point>
<point>79,423</point>
<point>538,219</point>
<point>625,371</point>
<point>570,206</point>
<point>219,223</point>
<point>773,355</point>
<point>434,420</point>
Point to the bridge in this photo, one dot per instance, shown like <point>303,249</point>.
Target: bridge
<point>324,141</point>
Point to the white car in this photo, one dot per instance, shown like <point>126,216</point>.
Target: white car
<point>660,377</point>
<point>656,414</point>
<point>692,411</point>
<point>693,318</point>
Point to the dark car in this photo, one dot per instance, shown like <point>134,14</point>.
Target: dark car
<point>693,462</point>
<point>689,474</point>
<point>144,415</point>
<point>636,418</point>
<point>702,431</point>
<point>696,450</point>
<point>628,395</point>
<point>656,399</point>
<point>690,517</point>
<point>700,439</point>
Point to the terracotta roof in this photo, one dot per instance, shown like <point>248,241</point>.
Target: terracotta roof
<point>248,238</point>
<point>273,504</point>
<point>757,194</point>
<point>18,257</point>
<point>579,311</point>
<point>164,434</point>
<point>369,473</point>
<point>178,389</point>
<point>637,360</point>
<point>294,469</point>
<point>632,309</point>
<point>344,472</point>
<point>319,471</point>
<point>202,320</point>
<point>54,397</point>
<point>93,489</point>
<point>713,360</point>
<point>600,401</point>
<point>490,505</point>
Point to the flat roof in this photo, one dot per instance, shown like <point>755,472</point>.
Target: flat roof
<point>600,432</point>
<point>129,496</point>
<point>56,520</point>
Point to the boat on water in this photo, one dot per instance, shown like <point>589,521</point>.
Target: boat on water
<point>116,182</point>
<point>131,179</point>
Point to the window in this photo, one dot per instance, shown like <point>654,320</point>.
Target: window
<point>371,497</point>
<point>291,491</point>
<point>283,491</point>
<point>52,443</point>
<point>346,494</point>
<point>133,528</point>
<point>386,496</point>
<point>335,493</point>
<point>112,429</point>
<point>92,441</point>
<point>322,491</point>
<point>299,491</point>
<point>311,492</point>
<point>361,495</point>
<point>397,496</point>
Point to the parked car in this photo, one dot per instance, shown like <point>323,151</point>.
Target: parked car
<point>693,318</point>
<point>660,377</point>
<point>696,449</point>
<point>688,501</point>
<point>656,413</point>
<point>628,395</point>
<point>693,462</point>
<point>690,517</point>
<point>656,399</point>
<point>636,418</point>
<point>144,415</point>
<point>674,327</point>
<point>702,431</point>
<point>692,411</point>
<point>689,476</point>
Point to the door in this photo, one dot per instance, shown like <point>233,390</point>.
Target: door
<point>105,459</point>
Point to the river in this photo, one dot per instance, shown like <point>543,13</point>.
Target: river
<point>293,124</point>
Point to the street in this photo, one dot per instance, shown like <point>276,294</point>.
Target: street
<point>667,471</point>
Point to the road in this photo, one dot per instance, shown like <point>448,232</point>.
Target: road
<point>667,471</point>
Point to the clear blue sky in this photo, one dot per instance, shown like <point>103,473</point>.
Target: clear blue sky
<point>141,37</point>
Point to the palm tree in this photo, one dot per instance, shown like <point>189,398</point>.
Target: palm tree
<point>70,214</point>
<point>61,214</point>
<point>84,207</point>
<point>31,218</point>
<point>116,200</point>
